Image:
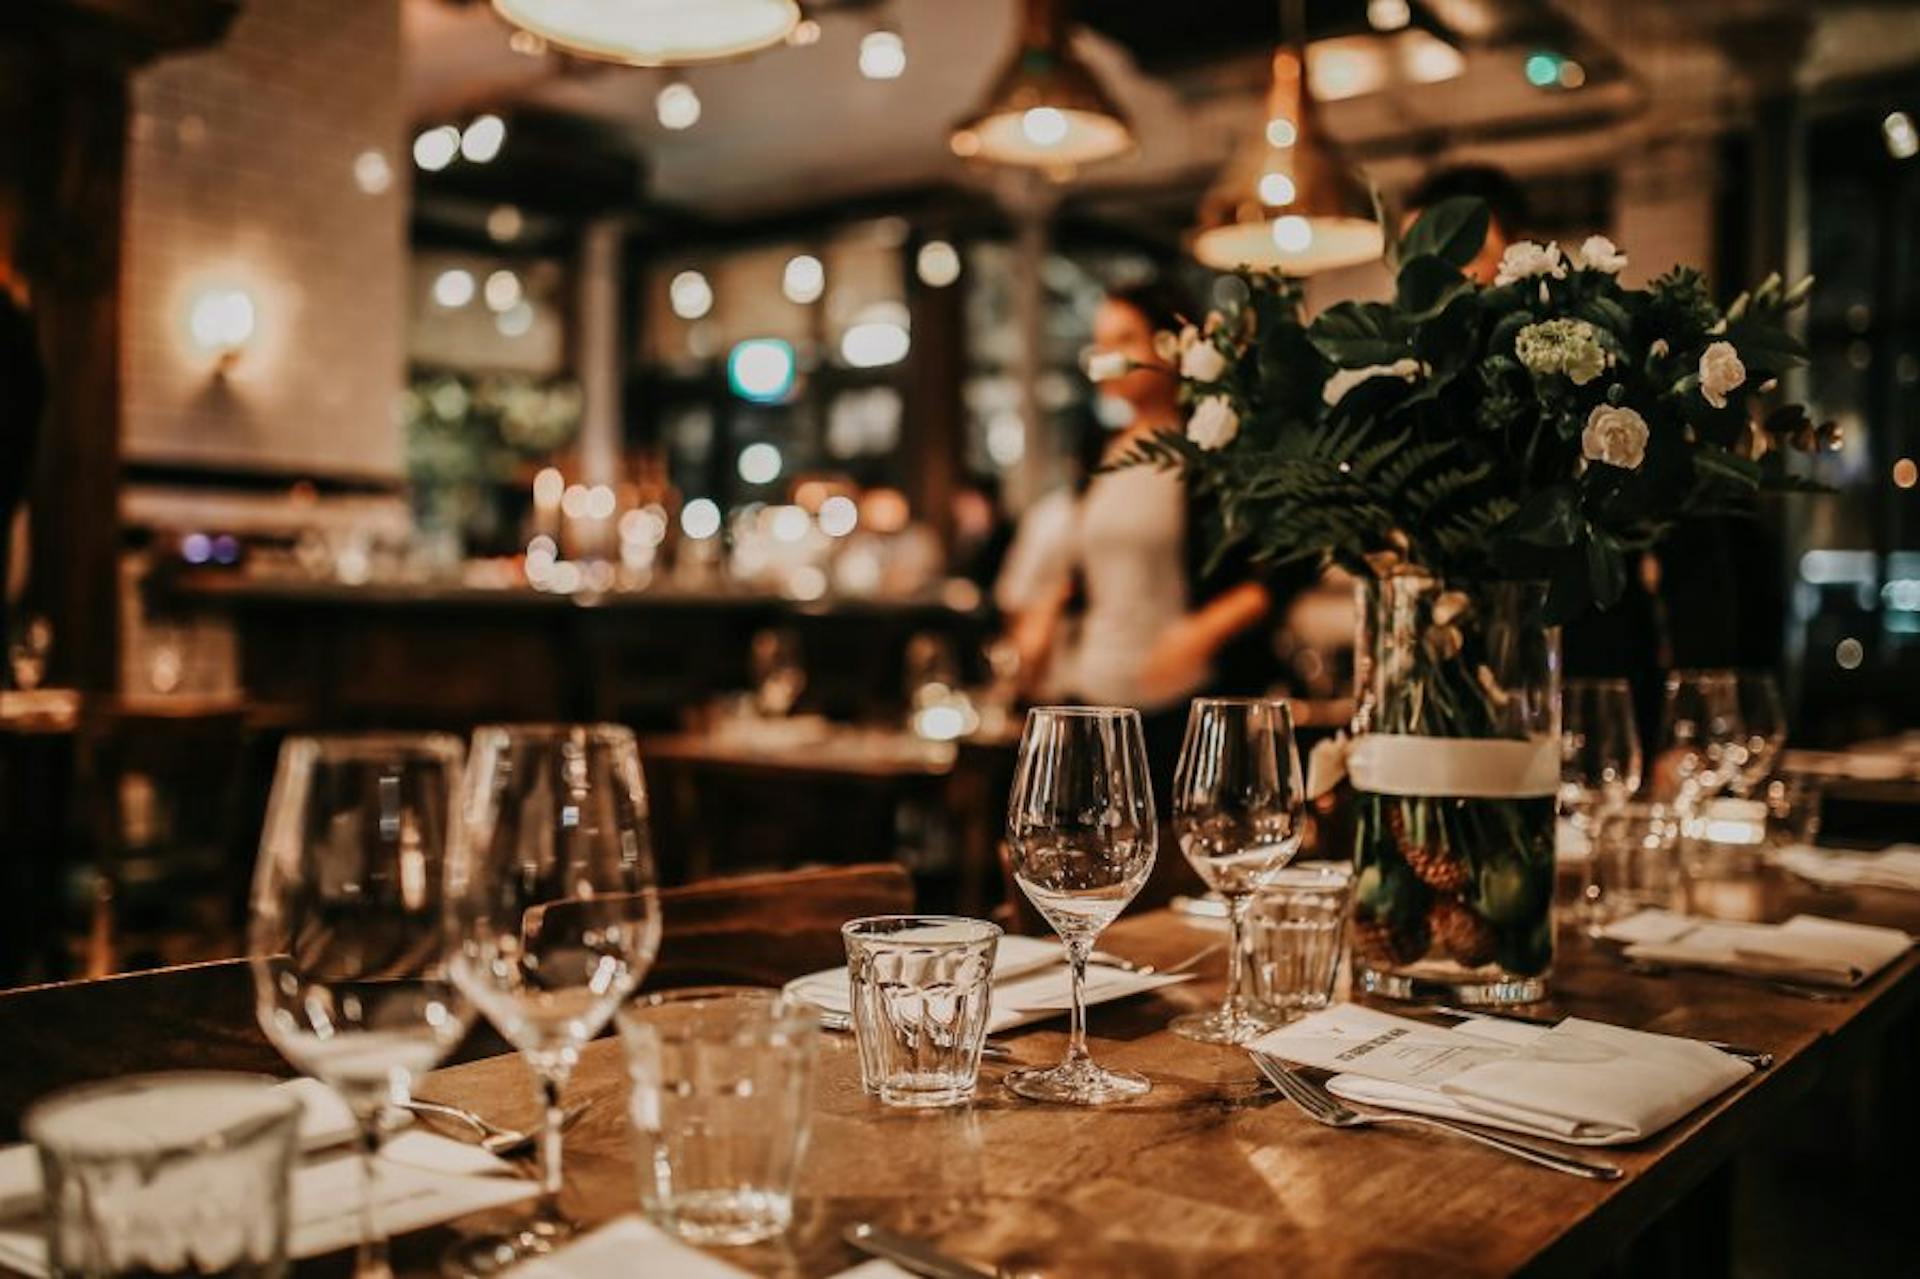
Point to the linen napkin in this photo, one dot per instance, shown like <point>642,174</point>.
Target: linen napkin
<point>1806,948</point>
<point>630,1245</point>
<point>422,1179</point>
<point>1030,984</point>
<point>1582,1082</point>
<point>1894,867</point>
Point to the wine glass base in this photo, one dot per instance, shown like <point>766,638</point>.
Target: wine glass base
<point>1219,1026</point>
<point>493,1254</point>
<point>1077,1084</point>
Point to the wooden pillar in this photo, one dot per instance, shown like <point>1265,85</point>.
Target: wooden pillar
<point>935,415</point>
<point>68,63</point>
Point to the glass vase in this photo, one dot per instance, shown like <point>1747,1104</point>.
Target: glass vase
<point>1454,765</point>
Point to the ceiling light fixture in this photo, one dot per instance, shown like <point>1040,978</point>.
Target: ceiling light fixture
<point>655,33</point>
<point>1328,220</point>
<point>1045,109</point>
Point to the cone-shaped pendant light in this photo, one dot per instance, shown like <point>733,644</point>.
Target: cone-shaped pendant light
<point>1045,109</point>
<point>655,33</point>
<point>1285,198</point>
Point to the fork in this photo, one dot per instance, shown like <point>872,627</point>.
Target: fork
<point>1106,959</point>
<point>1319,1105</point>
<point>494,1139</point>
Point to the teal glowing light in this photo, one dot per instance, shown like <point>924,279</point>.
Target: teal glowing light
<point>761,370</point>
<point>1543,69</point>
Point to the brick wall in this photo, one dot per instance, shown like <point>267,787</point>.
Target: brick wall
<point>242,175</point>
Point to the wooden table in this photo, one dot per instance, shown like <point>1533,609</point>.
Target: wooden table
<point>1207,1175</point>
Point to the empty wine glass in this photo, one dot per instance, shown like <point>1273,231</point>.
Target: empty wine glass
<point>1081,836</point>
<point>1238,812</point>
<point>345,937</point>
<point>553,910</point>
<point>1764,719</point>
<point>1600,758</point>
<point>1702,742</point>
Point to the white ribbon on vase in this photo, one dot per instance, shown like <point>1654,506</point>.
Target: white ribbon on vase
<point>1455,767</point>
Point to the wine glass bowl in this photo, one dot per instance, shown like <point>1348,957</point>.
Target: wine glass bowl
<point>1702,742</point>
<point>1600,756</point>
<point>1763,718</point>
<point>1081,839</point>
<point>345,932</point>
<point>1239,813</point>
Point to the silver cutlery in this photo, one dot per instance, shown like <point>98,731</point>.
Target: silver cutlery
<point>1107,960</point>
<point>1758,1058</point>
<point>1779,985</point>
<point>1319,1105</point>
<point>842,1023</point>
<point>494,1139</point>
<point>917,1255</point>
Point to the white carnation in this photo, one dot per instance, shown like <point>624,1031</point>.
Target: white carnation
<point>1407,369</point>
<point>1214,423</point>
<point>1598,253</point>
<point>1616,436</point>
<point>1105,366</point>
<point>1525,259</point>
<point>1203,362</point>
<point>1720,371</point>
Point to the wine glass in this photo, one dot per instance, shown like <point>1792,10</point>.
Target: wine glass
<point>1764,718</point>
<point>1703,745</point>
<point>1081,836</point>
<point>1239,813</point>
<point>345,938</point>
<point>554,913</point>
<point>1600,757</point>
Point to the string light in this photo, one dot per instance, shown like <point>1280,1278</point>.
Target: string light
<point>804,280</point>
<point>453,288</point>
<point>481,141</point>
<point>690,295</point>
<point>937,264</point>
<point>677,106</point>
<point>434,149</point>
<point>883,54</point>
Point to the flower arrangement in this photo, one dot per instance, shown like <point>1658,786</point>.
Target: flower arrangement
<point>1539,428</point>
<point>1484,459</point>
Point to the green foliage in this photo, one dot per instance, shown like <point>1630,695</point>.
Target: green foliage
<point>1410,435</point>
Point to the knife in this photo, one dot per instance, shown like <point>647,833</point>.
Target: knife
<point>1758,1058</point>
<point>912,1254</point>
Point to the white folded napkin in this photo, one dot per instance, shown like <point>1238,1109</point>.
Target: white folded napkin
<point>1581,1082</point>
<point>630,1245</point>
<point>1030,983</point>
<point>1806,948</point>
<point>1894,867</point>
<point>422,1179</point>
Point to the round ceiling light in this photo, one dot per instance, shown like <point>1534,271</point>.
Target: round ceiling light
<point>655,33</point>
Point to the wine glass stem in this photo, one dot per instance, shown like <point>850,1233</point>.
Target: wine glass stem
<point>370,1259</point>
<point>1078,951</point>
<point>1230,1007</point>
<point>551,1140</point>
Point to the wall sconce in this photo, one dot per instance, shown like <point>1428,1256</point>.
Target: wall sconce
<point>221,323</point>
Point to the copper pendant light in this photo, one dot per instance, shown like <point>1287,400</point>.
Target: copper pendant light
<point>1286,199</point>
<point>1046,109</point>
<point>655,33</point>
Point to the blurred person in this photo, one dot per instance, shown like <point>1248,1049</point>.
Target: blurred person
<point>982,532</point>
<point>1120,612</point>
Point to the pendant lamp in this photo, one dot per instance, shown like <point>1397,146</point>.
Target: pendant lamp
<point>1045,109</point>
<point>655,33</point>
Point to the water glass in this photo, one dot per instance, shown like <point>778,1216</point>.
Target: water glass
<point>1600,757</point>
<point>922,993</point>
<point>183,1173</point>
<point>1296,933</point>
<point>1703,743</point>
<point>1633,864</point>
<point>720,1084</point>
<point>1764,718</point>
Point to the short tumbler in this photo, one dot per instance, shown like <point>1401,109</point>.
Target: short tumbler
<point>182,1173</point>
<point>922,991</point>
<point>721,1077</point>
<point>1296,930</point>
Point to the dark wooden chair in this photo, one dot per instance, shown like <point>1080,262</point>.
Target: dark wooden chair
<point>765,930</point>
<point>756,930</point>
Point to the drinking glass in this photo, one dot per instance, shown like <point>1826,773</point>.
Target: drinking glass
<point>1702,741</point>
<point>720,1083</point>
<point>1081,836</point>
<point>348,954</point>
<point>1764,719</point>
<point>183,1173</point>
<point>1239,811</point>
<point>921,991</point>
<point>1633,864</point>
<point>1600,760</point>
<point>554,913</point>
<point>1296,933</point>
